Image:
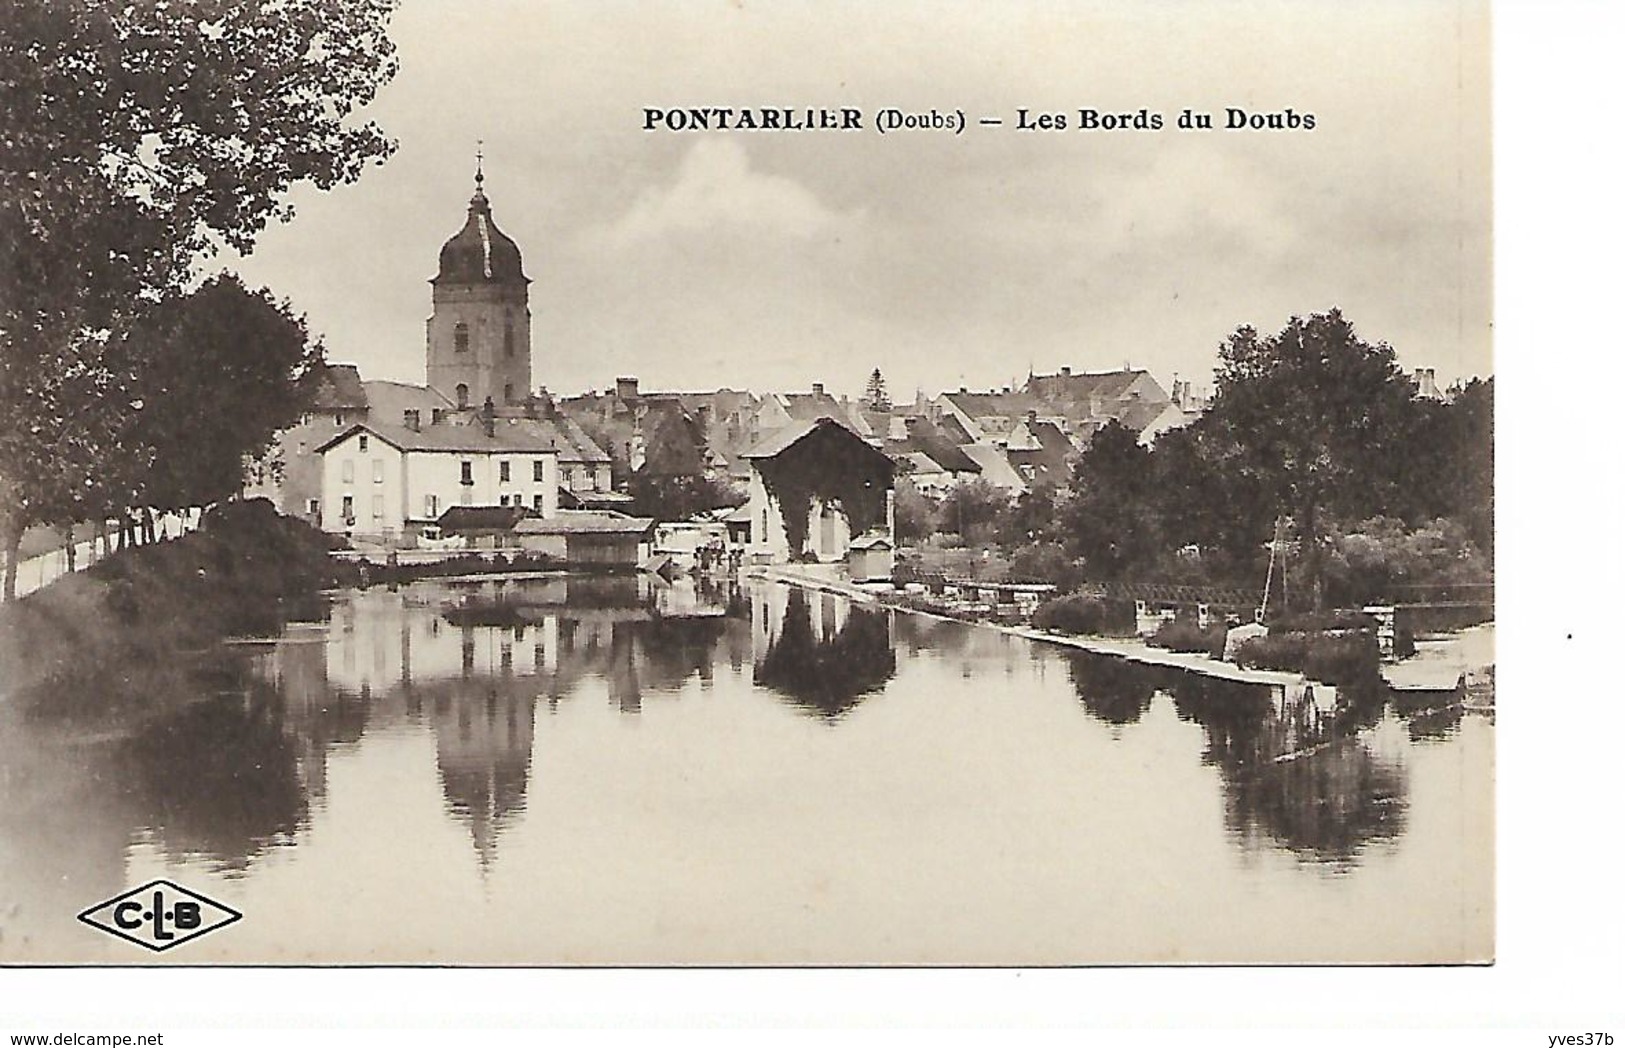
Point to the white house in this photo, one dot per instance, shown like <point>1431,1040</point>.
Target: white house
<point>389,481</point>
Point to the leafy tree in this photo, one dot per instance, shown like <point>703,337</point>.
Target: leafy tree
<point>1031,517</point>
<point>875,395</point>
<point>971,510</point>
<point>137,137</point>
<point>1311,419</point>
<point>1112,521</point>
<point>218,373</point>
<point>666,497</point>
<point>914,514</point>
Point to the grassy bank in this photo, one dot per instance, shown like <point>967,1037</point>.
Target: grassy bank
<point>88,635</point>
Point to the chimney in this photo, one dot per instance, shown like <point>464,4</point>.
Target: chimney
<point>626,388</point>
<point>1032,417</point>
<point>488,417</point>
<point>530,406</point>
<point>1066,372</point>
<point>1428,383</point>
<point>413,420</point>
<point>818,389</point>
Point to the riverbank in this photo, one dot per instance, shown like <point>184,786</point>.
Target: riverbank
<point>1130,648</point>
<point>1461,663</point>
<point>115,628</point>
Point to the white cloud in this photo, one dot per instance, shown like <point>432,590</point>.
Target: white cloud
<point>715,187</point>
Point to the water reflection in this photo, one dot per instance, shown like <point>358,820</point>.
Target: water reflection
<point>821,652</point>
<point>1296,772</point>
<point>218,761</point>
<point>1115,690</point>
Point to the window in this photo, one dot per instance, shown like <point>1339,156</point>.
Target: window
<point>462,394</point>
<point>363,442</point>
<point>507,393</point>
<point>338,419</point>
<point>502,500</point>
<point>314,508</point>
<point>377,471</point>
<point>347,471</point>
<point>431,507</point>
<point>377,506</point>
<point>459,338</point>
<point>504,474</point>
<point>536,473</point>
<point>536,500</point>
<point>507,338</point>
<point>347,510</point>
<point>468,472</point>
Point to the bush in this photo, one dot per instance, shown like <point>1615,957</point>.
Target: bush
<point>1081,614</point>
<point>1324,621</point>
<point>1184,635</point>
<point>1345,660</point>
<point>1045,562</point>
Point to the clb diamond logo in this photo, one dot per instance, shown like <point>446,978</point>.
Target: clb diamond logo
<point>159,915</point>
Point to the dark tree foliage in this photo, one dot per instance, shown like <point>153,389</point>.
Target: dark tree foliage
<point>972,510</point>
<point>1032,517</point>
<point>218,373</point>
<point>875,397</point>
<point>1112,521</point>
<point>668,498</point>
<point>138,137</point>
<point>1313,421</point>
<point>914,514</point>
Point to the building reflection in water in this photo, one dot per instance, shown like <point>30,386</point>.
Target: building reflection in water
<point>241,763</point>
<point>822,653</point>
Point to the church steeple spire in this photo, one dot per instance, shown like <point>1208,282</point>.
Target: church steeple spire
<point>479,335</point>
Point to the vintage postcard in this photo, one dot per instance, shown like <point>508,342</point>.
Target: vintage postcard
<point>554,483</point>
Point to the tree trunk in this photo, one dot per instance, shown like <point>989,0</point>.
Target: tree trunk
<point>149,526</point>
<point>1309,539</point>
<point>69,554</point>
<point>12,537</point>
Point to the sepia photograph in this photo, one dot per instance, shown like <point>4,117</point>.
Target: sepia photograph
<point>542,483</point>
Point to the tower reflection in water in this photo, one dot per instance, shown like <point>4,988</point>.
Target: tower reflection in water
<point>240,763</point>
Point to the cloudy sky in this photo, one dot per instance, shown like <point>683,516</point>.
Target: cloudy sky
<point>774,260</point>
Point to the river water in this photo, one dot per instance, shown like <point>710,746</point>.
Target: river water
<point>601,770</point>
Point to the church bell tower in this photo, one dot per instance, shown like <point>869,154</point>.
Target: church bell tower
<point>479,335</point>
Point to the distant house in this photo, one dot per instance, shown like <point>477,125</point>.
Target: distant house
<point>841,484</point>
<point>1040,452</point>
<point>389,481</point>
<point>587,536</point>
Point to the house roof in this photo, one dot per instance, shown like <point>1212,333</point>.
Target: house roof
<point>339,386</point>
<point>919,462</point>
<point>996,468</point>
<point>780,441</point>
<point>1083,384</point>
<point>389,401</point>
<point>993,404</point>
<point>810,407</point>
<point>585,522</point>
<point>481,518</point>
<point>520,436</point>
